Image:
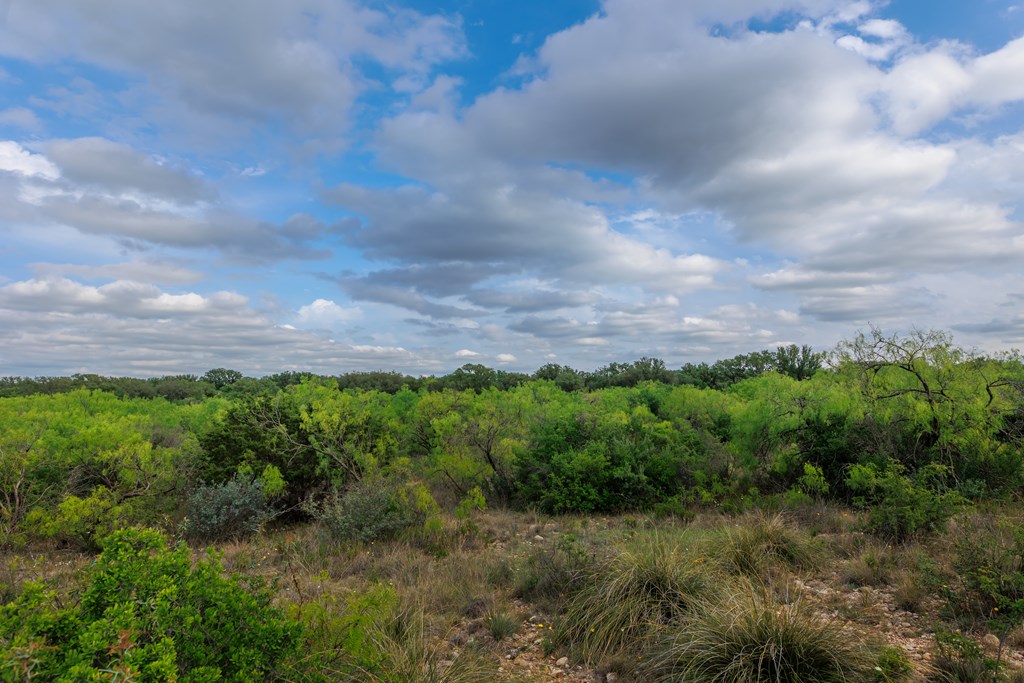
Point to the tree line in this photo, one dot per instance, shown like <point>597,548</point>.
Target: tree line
<point>796,362</point>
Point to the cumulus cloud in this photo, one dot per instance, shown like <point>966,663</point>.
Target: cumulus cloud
<point>139,270</point>
<point>110,190</point>
<point>60,326</point>
<point>664,177</point>
<point>16,159</point>
<point>325,314</point>
<point>276,60</point>
<point>115,168</point>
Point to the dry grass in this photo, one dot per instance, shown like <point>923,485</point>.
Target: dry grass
<point>649,585</point>
<point>749,638</point>
<point>616,588</point>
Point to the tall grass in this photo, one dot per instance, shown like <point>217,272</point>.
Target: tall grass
<point>642,589</point>
<point>758,544</point>
<point>750,638</point>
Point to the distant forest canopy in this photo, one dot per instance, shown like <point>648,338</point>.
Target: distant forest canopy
<point>798,362</point>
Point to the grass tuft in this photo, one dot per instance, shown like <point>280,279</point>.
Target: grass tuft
<point>640,590</point>
<point>760,543</point>
<point>749,638</point>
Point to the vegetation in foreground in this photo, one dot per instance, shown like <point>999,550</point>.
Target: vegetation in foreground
<point>860,523</point>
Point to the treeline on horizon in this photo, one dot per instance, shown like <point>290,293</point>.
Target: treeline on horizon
<point>798,362</point>
<point>908,428</point>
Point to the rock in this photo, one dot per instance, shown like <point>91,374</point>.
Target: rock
<point>611,677</point>
<point>564,661</point>
<point>990,641</point>
<point>538,538</point>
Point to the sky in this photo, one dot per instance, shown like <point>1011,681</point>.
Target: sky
<point>345,185</point>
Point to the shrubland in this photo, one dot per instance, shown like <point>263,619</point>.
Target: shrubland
<point>392,528</point>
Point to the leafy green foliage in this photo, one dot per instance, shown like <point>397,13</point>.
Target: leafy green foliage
<point>988,558</point>
<point>898,506</point>
<point>78,465</point>
<point>147,614</point>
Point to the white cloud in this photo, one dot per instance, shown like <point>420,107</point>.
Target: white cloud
<point>16,159</point>
<point>325,314</point>
<point>60,326</point>
<point>292,62</point>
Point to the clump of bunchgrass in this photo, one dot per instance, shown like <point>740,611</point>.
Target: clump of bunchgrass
<point>642,589</point>
<point>403,651</point>
<point>501,624</point>
<point>750,638</point>
<point>874,566</point>
<point>759,544</point>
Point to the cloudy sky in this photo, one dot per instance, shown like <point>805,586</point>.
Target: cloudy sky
<point>339,185</point>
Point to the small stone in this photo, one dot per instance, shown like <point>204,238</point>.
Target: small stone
<point>538,538</point>
<point>562,662</point>
<point>611,677</point>
<point>990,641</point>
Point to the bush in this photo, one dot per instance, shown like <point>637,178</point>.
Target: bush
<point>752,639</point>
<point>632,596</point>
<point>960,660</point>
<point>988,558</point>
<point>236,509</point>
<point>900,507</point>
<point>371,509</point>
<point>147,612</point>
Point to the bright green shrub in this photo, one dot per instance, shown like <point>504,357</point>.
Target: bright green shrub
<point>900,507</point>
<point>605,458</point>
<point>894,666</point>
<point>148,615</point>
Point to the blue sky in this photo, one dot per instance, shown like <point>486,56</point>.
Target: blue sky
<point>338,185</point>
